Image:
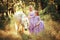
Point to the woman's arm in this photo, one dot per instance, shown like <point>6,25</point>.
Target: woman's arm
<point>31,16</point>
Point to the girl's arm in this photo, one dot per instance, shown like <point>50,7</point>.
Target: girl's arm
<point>38,21</point>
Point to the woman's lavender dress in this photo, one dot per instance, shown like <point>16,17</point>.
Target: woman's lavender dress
<point>31,21</point>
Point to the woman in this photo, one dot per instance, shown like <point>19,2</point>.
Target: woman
<point>31,19</point>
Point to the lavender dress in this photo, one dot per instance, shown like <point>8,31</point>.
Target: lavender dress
<point>31,21</point>
<point>40,27</point>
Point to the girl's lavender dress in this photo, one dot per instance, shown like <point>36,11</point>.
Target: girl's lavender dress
<point>40,27</point>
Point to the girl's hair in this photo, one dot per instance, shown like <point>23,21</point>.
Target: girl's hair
<point>37,13</point>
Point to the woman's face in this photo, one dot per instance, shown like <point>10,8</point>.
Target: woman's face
<point>30,8</point>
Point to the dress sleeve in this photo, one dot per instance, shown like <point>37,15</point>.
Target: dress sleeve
<point>39,18</point>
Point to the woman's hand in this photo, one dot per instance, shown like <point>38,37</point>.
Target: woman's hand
<point>29,17</point>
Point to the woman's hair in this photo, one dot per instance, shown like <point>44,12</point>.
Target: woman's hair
<point>31,7</point>
<point>36,12</point>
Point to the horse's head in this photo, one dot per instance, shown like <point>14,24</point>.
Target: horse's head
<point>25,23</point>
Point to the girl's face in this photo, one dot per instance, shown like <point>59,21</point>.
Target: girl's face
<point>36,13</point>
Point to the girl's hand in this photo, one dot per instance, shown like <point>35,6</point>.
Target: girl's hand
<point>37,24</point>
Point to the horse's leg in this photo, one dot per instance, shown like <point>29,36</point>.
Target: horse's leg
<point>16,27</point>
<point>22,29</point>
<point>17,24</point>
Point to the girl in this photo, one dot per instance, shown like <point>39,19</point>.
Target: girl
<point>38,23</point>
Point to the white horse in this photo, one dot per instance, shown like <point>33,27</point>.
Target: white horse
<point>21,18</point>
